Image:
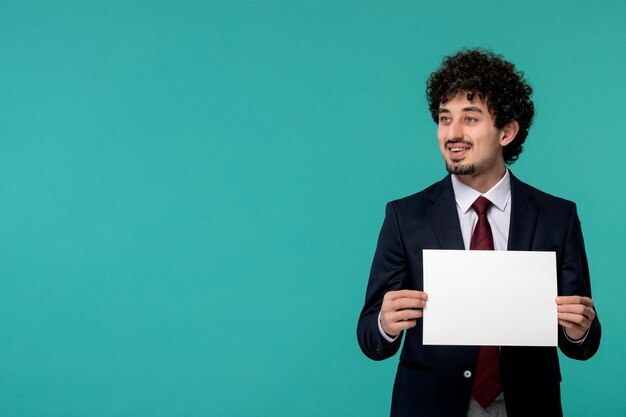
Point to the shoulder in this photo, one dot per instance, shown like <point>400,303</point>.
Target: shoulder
<point>539,197</point>
<point>420,200</point>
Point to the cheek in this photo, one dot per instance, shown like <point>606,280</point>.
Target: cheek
<point>441,136</point>
<point>442,147</point>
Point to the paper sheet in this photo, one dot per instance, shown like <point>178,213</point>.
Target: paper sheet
<point>478,297</point>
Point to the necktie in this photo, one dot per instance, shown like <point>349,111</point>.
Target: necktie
<point>486,385</point>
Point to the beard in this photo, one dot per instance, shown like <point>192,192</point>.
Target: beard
<point>467,169</point>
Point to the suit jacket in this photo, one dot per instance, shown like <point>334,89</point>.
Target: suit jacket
<point>437,380</point>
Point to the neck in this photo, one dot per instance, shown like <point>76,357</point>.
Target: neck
<point>483,182</point>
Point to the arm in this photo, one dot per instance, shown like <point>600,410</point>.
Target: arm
<point>580,333</point>
<point>387,274</point>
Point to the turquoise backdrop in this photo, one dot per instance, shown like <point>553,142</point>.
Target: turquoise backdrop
<point>191,191</point>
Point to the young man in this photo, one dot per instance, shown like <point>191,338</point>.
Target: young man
<point>483,110</point>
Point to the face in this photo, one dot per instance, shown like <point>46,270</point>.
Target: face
<point>468,139</point>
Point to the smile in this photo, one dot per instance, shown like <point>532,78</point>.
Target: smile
<point>458,150</point>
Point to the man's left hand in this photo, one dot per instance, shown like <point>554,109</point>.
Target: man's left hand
<point>575,314</point>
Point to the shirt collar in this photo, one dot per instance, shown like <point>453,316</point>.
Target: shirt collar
<point>499,194</point>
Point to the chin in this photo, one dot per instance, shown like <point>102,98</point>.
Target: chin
<point>460,169</point>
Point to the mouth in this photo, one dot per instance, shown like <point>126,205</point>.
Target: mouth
<point>457,150</point>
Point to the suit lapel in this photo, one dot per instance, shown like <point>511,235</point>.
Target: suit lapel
<point>443,216</point>
<point>524,213</point>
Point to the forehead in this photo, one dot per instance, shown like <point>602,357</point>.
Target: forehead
<point>465,101</point>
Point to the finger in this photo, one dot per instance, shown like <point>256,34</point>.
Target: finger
<point>587,301</point>
<point>395,327</point>
<point>571,308</point>
<point>408,323</point>
<point>577,319</point>
<point>412,314</point>
<point>394,295</point>
<point>588,312</point>
<point>574,299</point>
<point>404,303</point>
<point>404,315</point>
<point>591,314</point>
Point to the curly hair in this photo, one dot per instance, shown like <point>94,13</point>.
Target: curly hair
<point>483,72</point>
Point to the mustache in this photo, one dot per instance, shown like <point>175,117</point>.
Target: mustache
<point>455,141</point>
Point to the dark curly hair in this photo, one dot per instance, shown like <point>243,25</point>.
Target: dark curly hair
<point>483,72</point>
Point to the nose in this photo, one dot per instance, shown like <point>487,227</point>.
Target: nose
<point>455,131</point>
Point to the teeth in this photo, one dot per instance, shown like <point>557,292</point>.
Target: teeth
<point>456,149</point>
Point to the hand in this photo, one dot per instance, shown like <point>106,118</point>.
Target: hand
<point>400,310</point>
<point>575,314</point>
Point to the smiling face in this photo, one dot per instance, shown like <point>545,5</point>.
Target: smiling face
<point>470,143</point>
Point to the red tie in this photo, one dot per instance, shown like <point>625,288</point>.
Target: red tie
<point>487,374</point>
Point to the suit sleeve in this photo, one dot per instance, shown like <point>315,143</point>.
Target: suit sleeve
<point>387,273</point>
<point>574,280</point>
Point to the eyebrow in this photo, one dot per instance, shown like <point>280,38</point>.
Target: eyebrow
<point>465,109</point>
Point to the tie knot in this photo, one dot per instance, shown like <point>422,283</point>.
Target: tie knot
<point>481,205</point>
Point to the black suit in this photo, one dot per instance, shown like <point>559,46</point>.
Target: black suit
<point>434,380</point>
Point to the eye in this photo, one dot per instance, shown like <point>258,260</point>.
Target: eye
<point>471,119</point>
<point>444,119</point>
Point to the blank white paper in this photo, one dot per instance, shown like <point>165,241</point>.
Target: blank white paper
<point>480,297</point>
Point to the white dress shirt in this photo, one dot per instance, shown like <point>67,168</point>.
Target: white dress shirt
<point>498,214</point>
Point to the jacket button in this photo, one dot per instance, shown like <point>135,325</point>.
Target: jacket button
<point>467,374</point>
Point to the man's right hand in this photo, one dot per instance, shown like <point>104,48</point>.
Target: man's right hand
<point>400,310</point>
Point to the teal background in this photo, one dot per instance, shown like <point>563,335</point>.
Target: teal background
<point>190,192</point>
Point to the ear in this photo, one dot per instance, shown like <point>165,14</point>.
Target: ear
<point>509,132</point>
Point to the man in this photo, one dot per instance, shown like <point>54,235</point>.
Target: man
<point>483,110</point>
